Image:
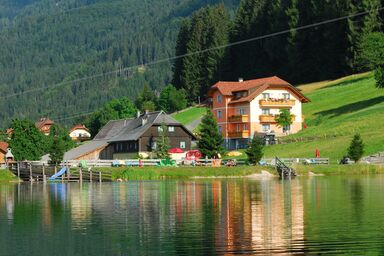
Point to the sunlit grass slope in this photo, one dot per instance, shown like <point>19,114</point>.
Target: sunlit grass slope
<point>338,109</point>
<point>189,115</point>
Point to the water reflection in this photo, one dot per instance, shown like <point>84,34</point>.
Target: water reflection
<point>188,217</point>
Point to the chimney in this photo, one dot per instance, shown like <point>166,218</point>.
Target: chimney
<point>138,113</point>
<point>241,79</point>
<point>143,120</point>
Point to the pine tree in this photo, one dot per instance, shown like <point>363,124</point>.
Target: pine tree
<point>356,148</point>
<point>211,140</point>
<point>162,143</point>
<point>199,69</point>
<point>181,50</point>
<point>255,150</point>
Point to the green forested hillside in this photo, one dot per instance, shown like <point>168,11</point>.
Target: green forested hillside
<point>46,44</point>
<point>299,40</point>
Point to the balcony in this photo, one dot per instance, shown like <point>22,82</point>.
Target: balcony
<point>238,134</point>
<point>238,119</point>
<point>271,118</point>
<point>267,119</point>
<point>276,103</point>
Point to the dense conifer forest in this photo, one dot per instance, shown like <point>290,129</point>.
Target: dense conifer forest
<point>67,58</point>
<point>47,44</point>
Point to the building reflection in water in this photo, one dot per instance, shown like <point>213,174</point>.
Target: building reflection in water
<point>229,215</point>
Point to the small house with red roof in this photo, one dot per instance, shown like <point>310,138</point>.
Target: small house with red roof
<point>44,125</point>
<point>245,108</point>
<point>3,151</point>
<point>79,133</point>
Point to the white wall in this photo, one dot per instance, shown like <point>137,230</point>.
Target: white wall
<point>76,133</point>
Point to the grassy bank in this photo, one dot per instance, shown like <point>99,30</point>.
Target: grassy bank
<point>338,110</point>
<point>157,173</point>
<point>337,169</point>
<point>160,173</point>
<point>6,175</point>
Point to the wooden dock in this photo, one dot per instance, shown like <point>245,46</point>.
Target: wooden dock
<point>27,171</point>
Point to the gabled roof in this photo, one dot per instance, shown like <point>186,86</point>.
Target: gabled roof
<point>254,88</point>
<point>85,149</point>
<point>122,130</point>
<point>78,126</point>
<point>111,129</point>
<point>43,121</point>
<point>135,128</point>
<point>227,88</point>
<point>3,146</point>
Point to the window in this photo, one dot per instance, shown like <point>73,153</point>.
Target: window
<point>266,127</point>
<point>171,128</point>
<point>159,128</point>
<point>219,114</point>
<point>245,127</point>
<point>238,127</point>
<point>265,111</point>
<point>220,128</point>
<point>219,98</point>
<point>286,128</point>
<point>182,144</point>
<point>241,111</point>
<point>154,145</point>
<point>266,96</point>
<point>286,96</point>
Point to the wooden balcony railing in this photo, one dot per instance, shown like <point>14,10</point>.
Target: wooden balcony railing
<point>277,103</point>
<point>270,118</point>
<point>267,119</point>
<point>238,134</point>
<point>238,119</point>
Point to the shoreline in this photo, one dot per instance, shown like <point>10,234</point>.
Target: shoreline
<point>223,172</point>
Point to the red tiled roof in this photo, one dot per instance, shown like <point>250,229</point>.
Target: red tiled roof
<point>79,126</point>
<point>226,88</point>
<point>255,87</point>
<point>43,121</point>
<point>3,146</point>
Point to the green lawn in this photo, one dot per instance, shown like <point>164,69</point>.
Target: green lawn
<point>189,115</point>
<point>6,175</point>
<point>338,109</point>
<point>158,173</point>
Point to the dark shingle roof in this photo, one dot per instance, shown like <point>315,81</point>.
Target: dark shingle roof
<point>123,130</point>
<point>111,129</point>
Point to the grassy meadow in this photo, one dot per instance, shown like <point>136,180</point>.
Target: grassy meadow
<point>338,109</point>
<point>189,115</point>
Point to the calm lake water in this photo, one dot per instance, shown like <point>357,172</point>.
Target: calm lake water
<point>318,215</point>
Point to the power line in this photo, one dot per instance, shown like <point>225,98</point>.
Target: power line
<point>135,67</point>
<point>196,52</point>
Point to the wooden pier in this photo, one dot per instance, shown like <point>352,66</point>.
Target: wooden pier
<point>27,171</point>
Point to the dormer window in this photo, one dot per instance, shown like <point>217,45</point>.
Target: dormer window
<point>241,94</point>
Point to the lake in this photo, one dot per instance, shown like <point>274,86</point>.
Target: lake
<point>312,215</point>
